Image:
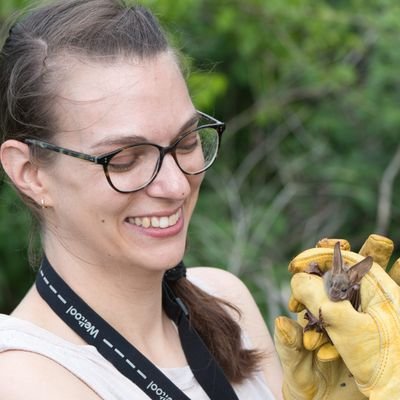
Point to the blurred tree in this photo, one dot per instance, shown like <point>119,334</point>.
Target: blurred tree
<point>8,7</point>
<point>310,91</point>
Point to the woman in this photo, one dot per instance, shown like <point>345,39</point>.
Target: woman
<point>103,143</point>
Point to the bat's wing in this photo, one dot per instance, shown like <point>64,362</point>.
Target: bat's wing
<point>313,268</point>
<point>354,296</point>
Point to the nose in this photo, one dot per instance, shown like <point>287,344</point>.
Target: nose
<point>170,181</point>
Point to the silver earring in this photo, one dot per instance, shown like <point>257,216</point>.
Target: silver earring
<point>43,203</point>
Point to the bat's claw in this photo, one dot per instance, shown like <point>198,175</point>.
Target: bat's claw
<point>314,323</point>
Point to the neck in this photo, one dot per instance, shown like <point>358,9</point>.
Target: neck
<point>129,299</point>
<point>124,296</point>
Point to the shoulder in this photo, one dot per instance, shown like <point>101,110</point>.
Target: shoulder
<point>218,282</point>
<point>229,287</point>
<point>26,375</point>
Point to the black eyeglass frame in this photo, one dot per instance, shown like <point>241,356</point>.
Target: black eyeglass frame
<point>104,159</point>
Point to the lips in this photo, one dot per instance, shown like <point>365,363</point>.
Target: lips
<point>163,222</point>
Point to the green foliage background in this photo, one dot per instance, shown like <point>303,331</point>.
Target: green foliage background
<point>310,92</point>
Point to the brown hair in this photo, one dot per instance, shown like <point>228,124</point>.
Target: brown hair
<point>30,64</point>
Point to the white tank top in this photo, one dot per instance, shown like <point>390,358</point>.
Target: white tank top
<point>86,363</point>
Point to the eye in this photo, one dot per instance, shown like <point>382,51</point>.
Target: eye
<point>344,290</point>
<point>128,159</point>
<point>121,164</point>
<point>188,143</point>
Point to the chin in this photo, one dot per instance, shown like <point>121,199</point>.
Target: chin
<point>161,260</point>
<point>173,260</point>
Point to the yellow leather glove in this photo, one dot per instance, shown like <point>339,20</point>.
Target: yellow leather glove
<point>365,340</point>
<point>305,376</point>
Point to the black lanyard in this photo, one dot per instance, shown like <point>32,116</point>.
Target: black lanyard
<point>123,355</point>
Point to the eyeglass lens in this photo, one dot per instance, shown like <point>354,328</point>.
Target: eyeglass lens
<point>135,166</point>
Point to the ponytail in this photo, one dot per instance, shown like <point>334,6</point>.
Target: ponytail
<point>211,317</point>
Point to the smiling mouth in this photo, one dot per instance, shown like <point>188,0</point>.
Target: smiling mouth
<point>156,222</point>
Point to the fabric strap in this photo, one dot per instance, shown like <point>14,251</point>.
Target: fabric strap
<point>123,355</point>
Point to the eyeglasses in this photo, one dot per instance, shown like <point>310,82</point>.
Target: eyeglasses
<point>133,167</point>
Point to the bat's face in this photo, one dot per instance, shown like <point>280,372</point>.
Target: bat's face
<point>338,288</point>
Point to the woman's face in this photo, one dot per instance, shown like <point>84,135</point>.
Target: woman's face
<point>102,107</point>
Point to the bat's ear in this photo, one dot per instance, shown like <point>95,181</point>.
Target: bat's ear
<point>357,271</point>
<point>337,263</point>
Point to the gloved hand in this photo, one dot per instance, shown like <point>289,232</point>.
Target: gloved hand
<point>368,341</point>
<point>305,376</point>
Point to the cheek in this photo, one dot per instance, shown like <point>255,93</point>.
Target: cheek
<point>195,184</point>
<point>195,181</point>
<point>81,194</point>
<point>76,178</point>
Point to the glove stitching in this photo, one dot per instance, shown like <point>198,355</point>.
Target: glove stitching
<point>383,353</point>
<point>384,349</point>
<point>383,329</point>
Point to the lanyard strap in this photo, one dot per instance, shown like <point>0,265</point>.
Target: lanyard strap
<point>203,365</point>
<point>123,355</point>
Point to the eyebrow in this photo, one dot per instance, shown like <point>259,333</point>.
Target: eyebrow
<point>137,139</point>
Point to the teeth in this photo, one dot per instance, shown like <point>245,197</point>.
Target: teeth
<point>138,221</point>
<point>146,222</point>
<point>156,222</point>
<point>164,222</point>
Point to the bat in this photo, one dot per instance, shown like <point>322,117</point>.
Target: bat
<point>342,282</point>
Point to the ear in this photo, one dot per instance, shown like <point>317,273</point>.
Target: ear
<point>357,271</point>
<point>26,175</point>
<point>337,263</point>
